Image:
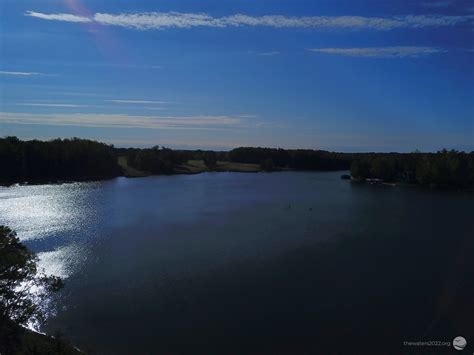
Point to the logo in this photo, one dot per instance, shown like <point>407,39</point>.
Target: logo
<point>459,343</point>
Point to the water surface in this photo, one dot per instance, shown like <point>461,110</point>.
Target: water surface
<point>223,262</point>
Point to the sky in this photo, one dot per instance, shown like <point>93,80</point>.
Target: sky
<point>341,75</point>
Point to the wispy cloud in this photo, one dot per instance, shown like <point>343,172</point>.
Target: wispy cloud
<point>155,20</point>
<point>128,66</point>
<point>50,105</point>
<point>139,102</point>
<point>59,17</point>
<point>111,65</point>
<point>380,52</point>
<point>269,54</point>
<point>83,94</point>
<point>19,73</point>
<point>248,116</point>
<point>163,20</point>
<point>125,121</point>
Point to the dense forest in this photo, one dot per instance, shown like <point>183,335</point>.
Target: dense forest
<point>442,169</point>
<point>297,159</point>
<point>155,160</point>
<point>163,160</point>
<point>68,159</point>
<point>79,159</point>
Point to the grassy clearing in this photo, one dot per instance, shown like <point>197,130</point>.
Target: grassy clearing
<point>237,167</point>
<point>130,171</point>
<point>193,167</point>
<point>198,166</point>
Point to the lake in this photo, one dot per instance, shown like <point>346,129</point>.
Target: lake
<point>249,263</point>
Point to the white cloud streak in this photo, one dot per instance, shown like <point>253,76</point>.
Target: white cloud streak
<point>50,105</point>
<point>269,54</point>
<point>19,73</point>
<point>124,121</point>
<point>138,102</point>
<point>59,17</point>
<point>380,52</point>
<point>163,20</point>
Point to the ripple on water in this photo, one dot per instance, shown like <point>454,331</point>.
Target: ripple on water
<point>54,221</point>
<point>37,212</point>
<point>63,261</point>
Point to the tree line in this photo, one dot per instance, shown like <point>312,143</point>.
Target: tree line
<point>163,160</point>
<point>445,168</point>
<point>80,159</point>
<point>59,159</point>
<point>294,159</point>
<point>155,160</point>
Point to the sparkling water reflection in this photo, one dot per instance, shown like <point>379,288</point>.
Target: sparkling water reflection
<point>152,250</point>
<point>38,212</point>
<point>53,220</point>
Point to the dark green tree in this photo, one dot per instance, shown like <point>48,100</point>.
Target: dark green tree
<point>360,169</point>
<point>267,165</point>
<point>383,168</point>
<point>23,287</point>
<point>67,159</point>
<point>210,159</point>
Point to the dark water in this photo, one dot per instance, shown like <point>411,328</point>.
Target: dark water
<point>251,263</point>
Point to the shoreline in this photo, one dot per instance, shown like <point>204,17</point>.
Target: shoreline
<point>62,182</point>
<point>251,169</point>
<point>31,339</point>
<point>192,167</point>
<point>402,184</point>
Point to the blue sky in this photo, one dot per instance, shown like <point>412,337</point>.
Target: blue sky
<point>329,74</point>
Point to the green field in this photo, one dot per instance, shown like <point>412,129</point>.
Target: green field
<point>198,166</point>
<point>238,167</point>
<point>193,167</point>
<point>129,171</point>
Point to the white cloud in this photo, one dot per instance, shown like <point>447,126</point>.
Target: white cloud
<point>124,121</point>
<point>59,17</point>
<point>110,65</point>
<point>269,54</point>
<point>248,116</point>
<point>19,73</point>
<point>155,20</point>
<point>50,105</point>
<point>139,102</point>
<point>86,94</point>
<point>380,52</point>
<point>163,20</point>
<point>420,21</point>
